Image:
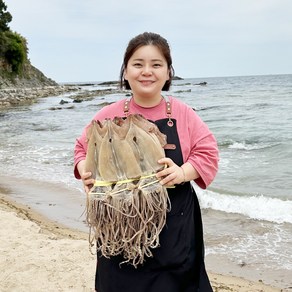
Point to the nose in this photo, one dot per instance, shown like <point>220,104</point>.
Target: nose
<point>147,71</point>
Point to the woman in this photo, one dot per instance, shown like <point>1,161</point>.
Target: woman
<point>177,264</point>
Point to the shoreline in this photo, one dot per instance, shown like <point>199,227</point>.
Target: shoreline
<point>59,256</point>
<point>18,96</point>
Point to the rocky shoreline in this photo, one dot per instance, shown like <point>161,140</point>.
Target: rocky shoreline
<point>17,96</point>
<point>21,96</point>
<point>29,91</point>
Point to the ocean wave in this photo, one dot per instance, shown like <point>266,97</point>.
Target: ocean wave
<point>259,105</point>
<point>204,108</point>
<point>246,145</point>
<point>255,207</point>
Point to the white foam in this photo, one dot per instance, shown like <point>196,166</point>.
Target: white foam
<point>255,207</point>
<point>248,147</point>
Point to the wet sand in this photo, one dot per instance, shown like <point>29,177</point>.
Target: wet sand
<point>38,254</point>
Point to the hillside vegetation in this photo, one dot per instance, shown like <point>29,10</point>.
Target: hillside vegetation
<point>15,67</point>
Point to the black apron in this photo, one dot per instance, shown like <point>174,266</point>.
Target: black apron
<point>177,264</point>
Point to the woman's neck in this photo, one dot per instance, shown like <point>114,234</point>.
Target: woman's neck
<point>147,101</point>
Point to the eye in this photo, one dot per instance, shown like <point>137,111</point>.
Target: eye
<point>137,65</point>
<point>157,65</point>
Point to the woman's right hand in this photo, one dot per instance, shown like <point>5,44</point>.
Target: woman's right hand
<point>86,176</point>
<point>87,180</point>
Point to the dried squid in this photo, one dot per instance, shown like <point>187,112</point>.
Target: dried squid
<point>127,206</point>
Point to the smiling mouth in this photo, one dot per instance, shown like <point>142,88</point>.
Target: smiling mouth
<point>146,82</point>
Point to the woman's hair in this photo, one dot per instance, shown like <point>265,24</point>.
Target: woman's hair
<point>145,39</point>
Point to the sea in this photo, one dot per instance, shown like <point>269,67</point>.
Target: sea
<point>247,210</point>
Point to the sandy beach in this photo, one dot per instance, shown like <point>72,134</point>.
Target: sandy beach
<point>40,255</point>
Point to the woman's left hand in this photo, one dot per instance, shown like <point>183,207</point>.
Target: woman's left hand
<point>172,175</point>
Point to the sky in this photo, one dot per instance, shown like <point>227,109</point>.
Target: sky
<point>84,41</point>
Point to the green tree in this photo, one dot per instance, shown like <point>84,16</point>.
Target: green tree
<point>15,51</point>
<point>13,47</point>
<point>5,17</point>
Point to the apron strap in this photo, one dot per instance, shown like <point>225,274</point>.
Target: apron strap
<point>168,112</point>
<point>126,107</point>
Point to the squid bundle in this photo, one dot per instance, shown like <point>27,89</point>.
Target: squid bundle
<point>127,206</point>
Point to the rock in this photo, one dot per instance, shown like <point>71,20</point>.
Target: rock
<point>62,101</point>
<point>201,83</point>
<point>19,96</point>
<point>53,108</point>
<point>77,100</point>
<point>177,78</point>
<point>108,83</point>
<point>181,91</point>
<point>91,94</point>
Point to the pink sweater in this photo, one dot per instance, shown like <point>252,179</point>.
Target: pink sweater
<point>199,146</point>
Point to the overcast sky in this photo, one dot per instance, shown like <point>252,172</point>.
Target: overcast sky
<point>72,41</point>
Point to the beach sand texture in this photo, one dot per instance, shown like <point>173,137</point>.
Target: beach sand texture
<point>39,255</point>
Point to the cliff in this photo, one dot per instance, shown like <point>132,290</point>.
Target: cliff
<point>20,82</point>
<point>29,77</point>
<point>26,87</point>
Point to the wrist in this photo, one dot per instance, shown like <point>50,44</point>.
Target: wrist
<point>183,175</point>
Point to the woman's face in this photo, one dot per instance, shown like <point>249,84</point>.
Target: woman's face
<point>147,72</point>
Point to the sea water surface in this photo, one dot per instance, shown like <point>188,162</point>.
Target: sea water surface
<point>247,210</point>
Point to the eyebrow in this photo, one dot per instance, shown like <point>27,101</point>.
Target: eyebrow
<point>153,60</point>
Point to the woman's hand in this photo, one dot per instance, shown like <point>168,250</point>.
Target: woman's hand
<point>87,180</point>
<point>86,177</point>
<point>172,175</point>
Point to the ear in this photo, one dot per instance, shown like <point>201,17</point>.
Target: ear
<point>168,74</point>
<point>125,74</point>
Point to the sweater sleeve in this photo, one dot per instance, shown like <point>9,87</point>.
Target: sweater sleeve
<point>199,146</point>
<point>204,154</point>
<point>80,150</point>
<point>204,158</point>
